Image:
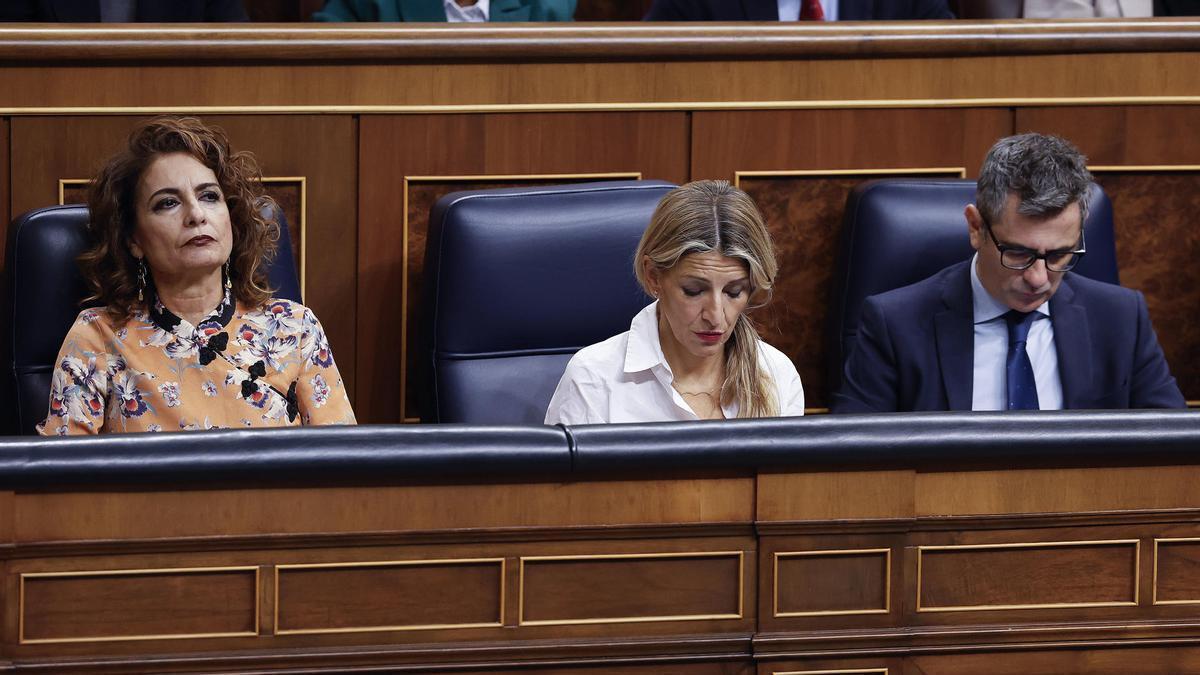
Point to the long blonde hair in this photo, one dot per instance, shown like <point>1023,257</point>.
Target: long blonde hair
<point>712,215</point>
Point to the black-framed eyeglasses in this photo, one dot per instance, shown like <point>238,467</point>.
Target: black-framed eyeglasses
<point>1021,258</point>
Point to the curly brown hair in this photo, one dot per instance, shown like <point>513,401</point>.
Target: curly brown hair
<point>109,267</point>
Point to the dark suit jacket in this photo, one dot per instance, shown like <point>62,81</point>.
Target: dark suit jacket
<point>768,10</point>
<point>915,348</point>
<point>148,11</point>
<point>432,10</point>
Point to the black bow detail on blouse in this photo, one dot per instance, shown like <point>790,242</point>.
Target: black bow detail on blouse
<point>256,371</point>
<point>216,343</point>
<point>293,405</point>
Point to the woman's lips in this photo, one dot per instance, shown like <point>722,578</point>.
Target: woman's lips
<point>200,240</point>
<point>711,337</point>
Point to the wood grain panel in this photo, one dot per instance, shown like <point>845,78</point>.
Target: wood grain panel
<point>99,606</point>
<point>389,596</point>
<point>1097,660</point>
<point>319,148</point>
<point>1152,210</point>
<point>804,212</point>
<point>626,588</point>
<point>1177,571</point>
<point>1081,490</point>
<point>101,516</point>
<point>1027,576</point>
<point>784,497</point>
<point>393,148</point>
<point>816,583</point>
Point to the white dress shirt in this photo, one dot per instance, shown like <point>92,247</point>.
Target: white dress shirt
<point>789,10</point>
<point>470,14</point>
<point>990,386</point>
<point>626,378</point>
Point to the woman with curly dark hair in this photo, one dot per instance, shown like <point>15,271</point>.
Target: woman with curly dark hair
<point>189,336</point>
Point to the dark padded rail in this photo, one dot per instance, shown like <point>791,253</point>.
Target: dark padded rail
<point>887,438</point>
<point>374,454</point>
<point>265,456</point>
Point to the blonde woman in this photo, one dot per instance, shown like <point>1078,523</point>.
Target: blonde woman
<point>691,354</point>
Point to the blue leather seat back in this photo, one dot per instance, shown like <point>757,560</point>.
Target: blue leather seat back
<point>519,279</point>
<point>897,232</point>
<point>45,292</point>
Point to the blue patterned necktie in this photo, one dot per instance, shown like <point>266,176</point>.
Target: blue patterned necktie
<point>1022,387</point>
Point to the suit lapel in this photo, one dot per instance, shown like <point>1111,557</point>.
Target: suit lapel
<point>422,11</point>
<point>509,10</point>
<point>761,10</point>
<point>1073,344</point>
<point>955,334</point>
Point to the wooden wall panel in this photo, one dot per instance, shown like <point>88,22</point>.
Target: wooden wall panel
<point>1153,208</point>
<point>488,150</point>
<point>320,149</point>
<point>804,212</point>
<point>1177,571</point>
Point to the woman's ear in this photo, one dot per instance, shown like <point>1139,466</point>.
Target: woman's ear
<point>135,250</point>
<point>650,273</point>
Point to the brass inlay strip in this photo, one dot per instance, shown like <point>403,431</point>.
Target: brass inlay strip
<point>852,671</point>
<point>1154,583</point>
<point>158,571</point>
<point>1137,566</point>
<point>499,623</point>
<point>615,106</point>
<point>632,556</point>
<point>63,183</point>
<point>631,175</point>
<point>923,170</point>
<point>887,589</point>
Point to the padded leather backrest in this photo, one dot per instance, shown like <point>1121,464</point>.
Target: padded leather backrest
<point>899,231</point>
<point>45,291</point>
<point>516,281</point>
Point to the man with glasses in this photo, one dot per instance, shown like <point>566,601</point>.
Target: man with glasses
<point>1012,329</point>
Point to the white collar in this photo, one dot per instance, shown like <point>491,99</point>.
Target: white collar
<point>644,350</point>
<point>988,308</point>
<point>483,6</point>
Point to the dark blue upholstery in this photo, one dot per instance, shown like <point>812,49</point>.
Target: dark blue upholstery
<point>519,279</point>
<point>897,232</point>
<point>45,290</point>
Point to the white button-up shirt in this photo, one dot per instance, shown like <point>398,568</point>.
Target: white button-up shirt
<point>627,378</point>
<point>990,388</point>
<point>475,13</point>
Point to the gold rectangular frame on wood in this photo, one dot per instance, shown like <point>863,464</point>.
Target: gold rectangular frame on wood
<point>139,572</point>
<point>851,671</point>
<point>1137,573</point>
<point>887,581</point>
<point>64,183</point>
<point>903,171</point>
<point>408,180</point>
<point>741,582</point>
<point>392,563</point>
<point>1149,168</point>
<point>1154,581</point>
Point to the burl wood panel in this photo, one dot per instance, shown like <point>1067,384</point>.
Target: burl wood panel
<point>815,582</point>
<point>113,606</point>
<point>492,149</point>
<point>1153,210</point>
<point>804,212</point>
<point>1177,571</point>
<point>804,215</point>
<point>410,595</point>
<point>631,588</point>
<point>1027,576</point>
<point>320,148</point>
<point>420,196</point>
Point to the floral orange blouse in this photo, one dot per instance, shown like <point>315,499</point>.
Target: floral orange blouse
<point>264,366</point>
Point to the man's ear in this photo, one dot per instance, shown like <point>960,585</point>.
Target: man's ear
<point>974,226</point>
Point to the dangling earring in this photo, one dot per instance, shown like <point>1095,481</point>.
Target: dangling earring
<point>228,280</point>
<point>141,279</point>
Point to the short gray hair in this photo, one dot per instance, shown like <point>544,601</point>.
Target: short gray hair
<point>1047,173</point>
